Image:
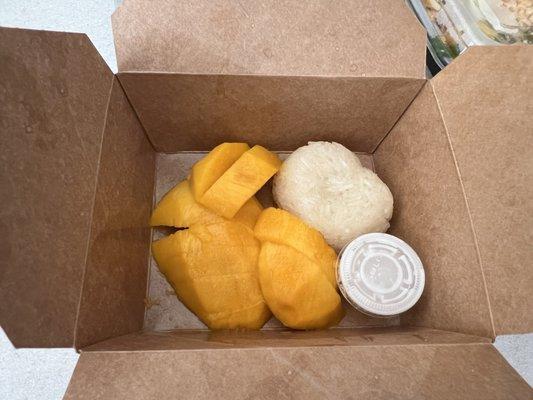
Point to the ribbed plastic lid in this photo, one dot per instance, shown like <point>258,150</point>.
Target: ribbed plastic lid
<point>380,274</point>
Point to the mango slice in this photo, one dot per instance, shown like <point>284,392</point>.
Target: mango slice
<point>178,208</point>
<point>213,269</point>
<point>280,226</point>
<point>240,182</point>
<point>206,171</point>
<point>296,290</point>
<point>249,213</point>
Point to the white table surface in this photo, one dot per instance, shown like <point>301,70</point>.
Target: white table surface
<point>43,374</point>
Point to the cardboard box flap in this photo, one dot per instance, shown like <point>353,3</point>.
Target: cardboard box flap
<point>318,38</point>
<point>54,91</point>
<point>485,98</point>
<point>459,163</point>
<point>114,286</point>
<point>198,72</point>
<point>477,371</point>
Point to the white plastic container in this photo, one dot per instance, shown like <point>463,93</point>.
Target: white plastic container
<point>380,275</point>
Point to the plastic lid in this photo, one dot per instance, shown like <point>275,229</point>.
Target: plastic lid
<point>380,274</point>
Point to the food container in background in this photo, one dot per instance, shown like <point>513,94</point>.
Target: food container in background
<point>454,25</point>
<point>380,275</point>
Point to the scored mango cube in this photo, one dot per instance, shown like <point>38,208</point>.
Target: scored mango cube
<point>241,181</point>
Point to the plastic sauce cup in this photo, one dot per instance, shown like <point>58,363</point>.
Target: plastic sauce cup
<point>380,275</point>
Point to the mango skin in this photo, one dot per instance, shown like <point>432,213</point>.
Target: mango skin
<point>240,182</point>
<point>213,269</point>
<point>206,171</point>
<point>296,289</point>
<point>178,208</point>
<point>279,226</point>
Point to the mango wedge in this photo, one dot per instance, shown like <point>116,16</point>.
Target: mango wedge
<point>206,171</point>
<point>213,269</point>
<point>249,213</point>
<point>178,208</point>
<point>279,226</point>
<point>240,182</point>
<point>296,290</point>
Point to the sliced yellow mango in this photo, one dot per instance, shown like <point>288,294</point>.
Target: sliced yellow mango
<point>206,171</point>
<point>279,226</point>
<point>296,290</point>
<point>249,213</point>
<point>213,269</point>
<point>257,314</point>
<point>241,181</point>
<point>178,208</point>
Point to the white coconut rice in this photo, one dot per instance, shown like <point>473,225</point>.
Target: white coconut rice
<point>325,184</point>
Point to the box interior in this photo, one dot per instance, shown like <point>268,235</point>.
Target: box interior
<point>188,112</point>
<point>164,311</point>
<point>128,164</point>
<point>232,72</point>
<point>416,157</point>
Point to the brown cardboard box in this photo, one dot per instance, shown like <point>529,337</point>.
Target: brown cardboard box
<point>85,154</point>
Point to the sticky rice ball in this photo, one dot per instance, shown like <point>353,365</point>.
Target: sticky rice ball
<point>325,184</point>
